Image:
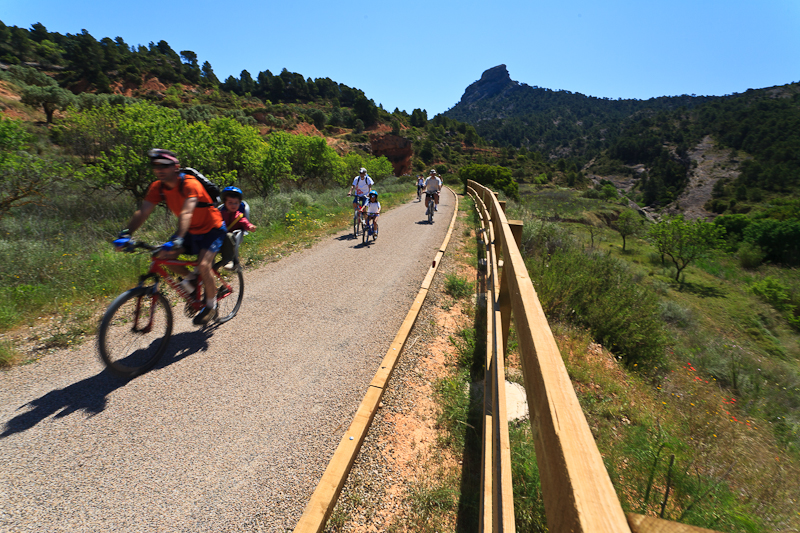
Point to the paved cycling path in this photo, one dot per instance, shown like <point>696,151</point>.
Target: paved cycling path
<point>234,428</point>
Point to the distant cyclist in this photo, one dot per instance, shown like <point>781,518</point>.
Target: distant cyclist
<point>433,184</point>
<point>420,185</point>
<point>373,210</point>
<point>362,185</point>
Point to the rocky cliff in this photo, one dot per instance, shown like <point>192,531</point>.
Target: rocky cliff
<point>494,82</point>
<point>398,150</point>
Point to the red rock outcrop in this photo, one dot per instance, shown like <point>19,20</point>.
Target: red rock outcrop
<point>398,150</point>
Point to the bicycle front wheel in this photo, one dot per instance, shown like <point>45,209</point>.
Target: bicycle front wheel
<point>230,293</point>
<point>356,226</point>
<point>134,332</point>
<point>430,212</point>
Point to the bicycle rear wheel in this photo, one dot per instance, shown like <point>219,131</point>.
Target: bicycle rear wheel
<point>230,293</point>
<point>134,332</point>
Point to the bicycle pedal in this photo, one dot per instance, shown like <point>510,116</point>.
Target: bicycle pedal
<point>223,292</point>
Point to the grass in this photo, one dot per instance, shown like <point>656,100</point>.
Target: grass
<point>8,354</point>
<point>714,418</point>
<point>529,515</point>
<point>458,287</point>
<point>719,455</point>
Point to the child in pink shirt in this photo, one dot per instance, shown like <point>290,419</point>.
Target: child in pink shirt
<point>233,214</point>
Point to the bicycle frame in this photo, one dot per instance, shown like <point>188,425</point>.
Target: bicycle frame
<point>158,271</point>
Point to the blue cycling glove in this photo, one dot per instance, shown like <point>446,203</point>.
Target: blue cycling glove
<point>172,244</point>
<point>123,239</point>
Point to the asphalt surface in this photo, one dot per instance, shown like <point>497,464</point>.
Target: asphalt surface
<point>235,426</point>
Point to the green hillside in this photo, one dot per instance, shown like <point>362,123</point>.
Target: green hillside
<point>648,140</point>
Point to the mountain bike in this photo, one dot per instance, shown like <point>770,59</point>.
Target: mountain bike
<point>431,199</point>
<point>369,229</point>
<point>419,193</point>
<point>136,328</point>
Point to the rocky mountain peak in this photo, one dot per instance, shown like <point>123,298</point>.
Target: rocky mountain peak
<point>493,82</point>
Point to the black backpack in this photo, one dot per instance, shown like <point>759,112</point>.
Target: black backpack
<point>211,188</point>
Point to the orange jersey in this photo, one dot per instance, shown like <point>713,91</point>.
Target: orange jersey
<point>204,219</point>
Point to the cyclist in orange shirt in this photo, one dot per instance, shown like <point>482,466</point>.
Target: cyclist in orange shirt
<point>201,229</point>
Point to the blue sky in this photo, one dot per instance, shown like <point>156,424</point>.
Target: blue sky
<point>423,54</point>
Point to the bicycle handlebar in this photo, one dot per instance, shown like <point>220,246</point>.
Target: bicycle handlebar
<point>133,245</point>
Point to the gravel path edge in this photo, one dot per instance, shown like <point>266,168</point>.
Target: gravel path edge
<point>324,498</point>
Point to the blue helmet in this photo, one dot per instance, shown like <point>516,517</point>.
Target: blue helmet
<point>374,193</point>
<point>232,191</point>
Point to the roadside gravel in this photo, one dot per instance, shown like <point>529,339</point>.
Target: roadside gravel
<point>232,431</point>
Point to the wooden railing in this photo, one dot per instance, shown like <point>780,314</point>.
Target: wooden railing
<point>576,489</point>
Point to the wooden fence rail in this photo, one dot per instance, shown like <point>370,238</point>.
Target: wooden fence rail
<point>576,489</point>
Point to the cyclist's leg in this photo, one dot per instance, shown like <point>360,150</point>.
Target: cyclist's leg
<point>206,247</point>
<point>375,223</point>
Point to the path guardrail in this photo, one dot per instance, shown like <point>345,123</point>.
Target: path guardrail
<point>576,489</point>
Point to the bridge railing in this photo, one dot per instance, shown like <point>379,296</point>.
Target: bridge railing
<point>576,489</point>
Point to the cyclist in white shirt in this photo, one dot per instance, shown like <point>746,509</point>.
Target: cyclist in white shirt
<point>420,184</point>
<point>362,184</point>
<point>432,185</point>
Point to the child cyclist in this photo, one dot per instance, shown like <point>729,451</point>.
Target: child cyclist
<point>233,211</point>
<point>373,210</point>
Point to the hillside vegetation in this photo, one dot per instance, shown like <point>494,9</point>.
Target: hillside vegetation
<point>648,140</point>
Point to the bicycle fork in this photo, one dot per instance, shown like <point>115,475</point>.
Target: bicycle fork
<point>138,314</point>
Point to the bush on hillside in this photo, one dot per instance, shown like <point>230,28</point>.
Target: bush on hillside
<point>600,293</point>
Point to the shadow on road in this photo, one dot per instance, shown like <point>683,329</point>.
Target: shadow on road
<point>90,395</point>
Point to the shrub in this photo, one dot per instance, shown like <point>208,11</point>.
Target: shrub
<point>772,291</point>
<point>780,239</point>
<point>458,287</point>
<point>609,192</point>
<point>676,314</point>
<point>750,255</point>
<point>599,292</point>
<point>302,199</point>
